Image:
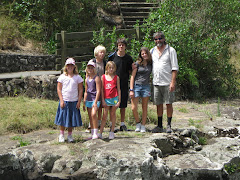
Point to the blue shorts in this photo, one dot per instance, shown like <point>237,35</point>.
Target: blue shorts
<point>89,104</point>
<point>111,101</point>
<point>142,90</point>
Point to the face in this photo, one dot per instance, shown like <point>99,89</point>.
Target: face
<point>144,55</point>
<point>159,41</point>
<point>90,69</point>
<point>121,47</point>
<point>70,68</point>
<point>101,54</point>
<point>111,69</point>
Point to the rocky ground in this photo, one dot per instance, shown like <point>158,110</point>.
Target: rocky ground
<point>203,145</point>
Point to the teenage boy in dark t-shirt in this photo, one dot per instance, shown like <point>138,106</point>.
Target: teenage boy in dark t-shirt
<point>123,62</point>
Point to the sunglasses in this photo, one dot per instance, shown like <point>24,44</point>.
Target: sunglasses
<point>158,39</point>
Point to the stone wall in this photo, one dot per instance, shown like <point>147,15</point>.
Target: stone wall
<point>36,87</point>
<point>15,63</point>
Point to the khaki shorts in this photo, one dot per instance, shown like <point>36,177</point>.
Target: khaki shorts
<point>162,94</point>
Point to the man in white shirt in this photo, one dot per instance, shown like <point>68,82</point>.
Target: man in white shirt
<point>165,68</point>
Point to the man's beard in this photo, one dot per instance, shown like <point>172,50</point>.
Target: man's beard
<point>159,44</point>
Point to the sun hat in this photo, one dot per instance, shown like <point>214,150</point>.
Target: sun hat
<point>91,63</point>
<point>70,61</point>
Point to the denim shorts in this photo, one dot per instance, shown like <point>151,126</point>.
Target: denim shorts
<point>142,90</point>
<point>89,104</point>
<point>111,101</point>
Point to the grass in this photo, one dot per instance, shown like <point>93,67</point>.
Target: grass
<point>21,141</point>
<point>22,115</point>
<point>183,110</point>
<point>195,123</point>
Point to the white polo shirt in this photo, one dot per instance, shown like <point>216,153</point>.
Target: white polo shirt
<point>164,65</point>
<point>70,87</point>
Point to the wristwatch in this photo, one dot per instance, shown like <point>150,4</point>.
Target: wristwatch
<point>130,89</point>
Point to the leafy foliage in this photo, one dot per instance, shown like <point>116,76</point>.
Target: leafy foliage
<point>41,19</point>
<point>201,31</point>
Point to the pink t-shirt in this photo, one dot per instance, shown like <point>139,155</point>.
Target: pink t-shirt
<point>70,87</point>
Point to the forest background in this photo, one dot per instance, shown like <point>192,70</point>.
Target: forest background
<point>204,33</point>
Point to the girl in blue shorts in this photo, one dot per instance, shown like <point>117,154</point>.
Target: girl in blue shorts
<point>111,96</point>
<point>91,97</point>
<point>140,87</point>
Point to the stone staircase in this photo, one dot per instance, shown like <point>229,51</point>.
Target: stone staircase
<point>135,10</point>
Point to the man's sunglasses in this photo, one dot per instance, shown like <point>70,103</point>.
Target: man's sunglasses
<point>158,39</point>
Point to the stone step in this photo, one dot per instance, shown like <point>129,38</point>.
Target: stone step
<point>132,0</point>
<point>140,4</point>
<point>134,9</point>
<point>135,13</point>
<point>134,18</point>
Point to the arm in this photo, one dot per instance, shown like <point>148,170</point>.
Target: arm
<point>85,95</point>
<point>119,92</point>
<point>59,91</point>
<point>80,94</point>
<point>98,87</point>
<point>102,89</point>
<point>134,72</point>
<point>173,81</point>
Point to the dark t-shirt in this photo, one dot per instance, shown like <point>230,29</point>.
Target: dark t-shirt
<point>124,65</point>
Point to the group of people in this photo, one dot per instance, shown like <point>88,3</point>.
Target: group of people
<point>107,88</point>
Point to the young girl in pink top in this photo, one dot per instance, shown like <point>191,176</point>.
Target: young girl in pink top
<point>111,96</point>
<point>70,91</point>
<point>91,97</point>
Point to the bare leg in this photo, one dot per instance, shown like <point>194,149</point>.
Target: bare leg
<point>144,109</point>
<point>122,112</point>
<point>134,102</point>
<point>169,110</point>
<point>104,119</point>
<point>160,110</point>
<point>90,117</point>
<point>113,117</point>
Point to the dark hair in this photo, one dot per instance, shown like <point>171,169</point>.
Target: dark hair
<point>122,40</point>
<point>140,59</point>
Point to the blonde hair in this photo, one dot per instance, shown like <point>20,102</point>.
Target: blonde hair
<point>110,63</point>
<point>99,48</point>
<point>95,71</point>
<point>75,71</point>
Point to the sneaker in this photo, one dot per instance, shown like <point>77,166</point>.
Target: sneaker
<point>123,128</point>
<point>99,136</point>
<point>111,135</point>
<point>70,138</point>
<point>169,130</point>
<point>61,138</point>
<point>143,129</point>
<point>88,130</point>
<point>138,127</point>
<point>157,130</point>
<point>94,136</point>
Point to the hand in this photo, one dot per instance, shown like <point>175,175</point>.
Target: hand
<point>118,104</point>
<point>131,94</point>
<point>104,104</point>
<point>95,106</point>
<point>84,107</point>
<point>78,104</point>
<point>134,66</point>
<point>62,104</point>
<point>172,87</point>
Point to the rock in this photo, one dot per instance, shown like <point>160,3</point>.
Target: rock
<point>153,156</point>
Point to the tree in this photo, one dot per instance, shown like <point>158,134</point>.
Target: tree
<point>201,31</point>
